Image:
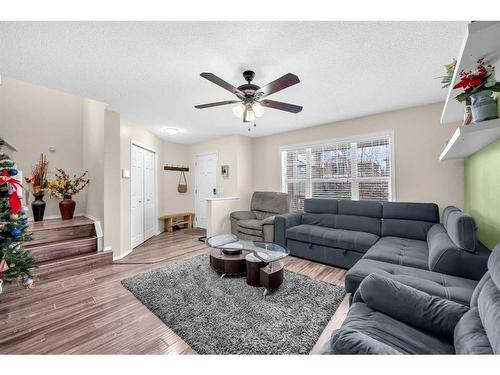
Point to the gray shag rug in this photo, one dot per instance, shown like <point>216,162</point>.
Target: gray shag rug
<point>227,316</point>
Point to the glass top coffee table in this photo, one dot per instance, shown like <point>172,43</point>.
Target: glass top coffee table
<point>259,260</point>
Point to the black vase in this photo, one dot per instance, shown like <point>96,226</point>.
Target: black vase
<point>38,207</point>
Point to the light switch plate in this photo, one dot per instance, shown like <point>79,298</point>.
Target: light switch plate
<point>125,173</point>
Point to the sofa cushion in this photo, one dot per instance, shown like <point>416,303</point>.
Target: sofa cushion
<point>470,336</point>
<point>402,251</point>
<point>321,206</point>
<point>251,226</point>
<point>453,288</point>
<point>360,208</point>
<point>446,257</point>
<point>270,202</point>
<point>398,335</point>
<point>349,341</point>
<point>338,238</point>
<point>323,220</point>
<point>362,216</point>
<point>408,220</point>
<point>411,211</point>
<point>462,230</point>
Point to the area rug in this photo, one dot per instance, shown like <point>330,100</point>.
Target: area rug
<point>227,316</point>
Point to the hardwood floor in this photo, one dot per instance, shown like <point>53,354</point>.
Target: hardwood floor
<point>91,313</point>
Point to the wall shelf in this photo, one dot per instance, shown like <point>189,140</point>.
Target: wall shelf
<point>481,40</point>
<point>471,138</point>
<point>175,168</point>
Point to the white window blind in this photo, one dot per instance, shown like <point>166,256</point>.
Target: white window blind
<point>354,169</point>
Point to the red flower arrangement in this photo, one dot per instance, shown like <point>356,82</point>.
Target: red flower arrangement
<point>483,78</point>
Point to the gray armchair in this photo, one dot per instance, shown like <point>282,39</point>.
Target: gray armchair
<point>258,223</point>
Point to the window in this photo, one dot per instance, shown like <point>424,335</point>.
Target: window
<point>344,169</point>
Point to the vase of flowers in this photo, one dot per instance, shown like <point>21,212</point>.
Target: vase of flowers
<point>479,85</point>
<point>38,182</point>
<point>63,186</point>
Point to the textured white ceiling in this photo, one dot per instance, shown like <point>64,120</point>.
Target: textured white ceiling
<point>149,71</point>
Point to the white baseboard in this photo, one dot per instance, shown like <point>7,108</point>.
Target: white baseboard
<point>118,257</point>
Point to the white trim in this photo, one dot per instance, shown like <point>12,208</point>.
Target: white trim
<point>153,150</point>
<point>348,139</point>
<point>389,134</point>
<point>118,257</point>
<point>222,198</point>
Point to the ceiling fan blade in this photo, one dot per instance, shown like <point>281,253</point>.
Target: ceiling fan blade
<point>220,82</point>
<point>281,83</point>
<point>201,106</point>
<point>281,106</point>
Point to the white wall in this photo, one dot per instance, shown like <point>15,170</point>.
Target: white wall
<point>93,156</point>
<point>418,137</point>
<point>33,118</point>
<point>176,154</point>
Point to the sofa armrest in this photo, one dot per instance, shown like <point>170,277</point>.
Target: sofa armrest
<point>446,257</point>
<point>268,220</point>
<point>411,306</point>
<point>348,341</point>
<point>282,223</point>
<point>242,215</point>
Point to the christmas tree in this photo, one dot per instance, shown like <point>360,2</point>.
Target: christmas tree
<point>15,261</point>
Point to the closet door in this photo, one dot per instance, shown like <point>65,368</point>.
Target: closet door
<point>150,219</point>
<point>137,195</point>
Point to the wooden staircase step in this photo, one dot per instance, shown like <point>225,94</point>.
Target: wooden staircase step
<point>56,230</point>
<point>73,264</point>
<point>63,249</point>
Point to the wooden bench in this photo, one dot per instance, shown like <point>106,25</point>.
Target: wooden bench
<point>182,218</point>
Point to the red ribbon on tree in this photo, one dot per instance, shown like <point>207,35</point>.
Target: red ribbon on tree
<point>13,184</point>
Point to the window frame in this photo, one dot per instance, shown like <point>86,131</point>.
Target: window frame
<point>354,179</point>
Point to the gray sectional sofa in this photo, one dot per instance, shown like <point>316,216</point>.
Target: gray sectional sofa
<point>389,317</point>
<point>401,240</point>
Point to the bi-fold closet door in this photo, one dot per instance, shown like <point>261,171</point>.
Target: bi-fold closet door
<point>143,194</point>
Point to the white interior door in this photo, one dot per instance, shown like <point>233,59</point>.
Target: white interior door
<point>206,186</point>
<point>137,194</point>
<point>143,194</point>
<point>149,195</point>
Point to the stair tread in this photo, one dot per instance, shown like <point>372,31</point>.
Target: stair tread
<point>73,258</point>
<point>58,223</point>
<point>37,246</point>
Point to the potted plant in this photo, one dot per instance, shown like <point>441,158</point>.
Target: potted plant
<point>479,85</point>
<point>38,182</point>
<point>63,186</point>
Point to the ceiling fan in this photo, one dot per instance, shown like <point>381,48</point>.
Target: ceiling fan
<point>251,100</point>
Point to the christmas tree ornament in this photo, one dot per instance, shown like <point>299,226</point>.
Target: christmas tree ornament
<point>12,185</point>
<point>14,216</point>
<point>13,172</point>
<point>26,281</point>
<point>24,221</point>
<point>25,209</point>
<point>16,232</point>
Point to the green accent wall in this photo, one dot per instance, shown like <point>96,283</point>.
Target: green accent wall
<point>482,192</point>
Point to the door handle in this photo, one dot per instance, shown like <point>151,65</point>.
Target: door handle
<point>215,191</point>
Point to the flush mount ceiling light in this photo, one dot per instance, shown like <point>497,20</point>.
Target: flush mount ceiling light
<point>170,131</point>
<point>250,103</point>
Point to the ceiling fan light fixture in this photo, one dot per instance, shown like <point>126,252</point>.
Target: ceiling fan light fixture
<point>258,109</point>
<point>249,114</point>
<point>238,110</point>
